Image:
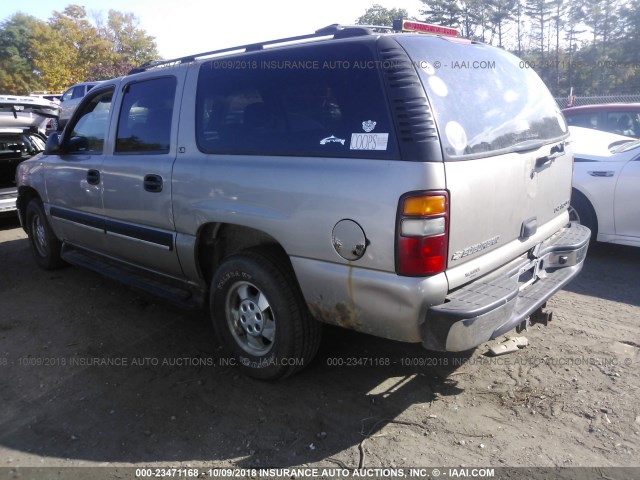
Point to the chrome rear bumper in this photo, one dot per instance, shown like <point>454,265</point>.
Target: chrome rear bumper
<point>484,310</point>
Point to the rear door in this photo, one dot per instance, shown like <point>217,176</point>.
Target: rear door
<point>137,173</point>
<point>507,166</point>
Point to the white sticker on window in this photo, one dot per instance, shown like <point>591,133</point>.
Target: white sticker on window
<point>369,141</point>
<point>332,139</point>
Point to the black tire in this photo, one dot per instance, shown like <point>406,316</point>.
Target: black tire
<point>260,316</point>
<point>582,211</point>
<point>44,244</point>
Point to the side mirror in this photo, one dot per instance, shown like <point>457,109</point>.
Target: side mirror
<point>77,144</point>
<point>53,144</point>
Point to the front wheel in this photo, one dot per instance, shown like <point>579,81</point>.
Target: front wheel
<point>260,316</point>
<point>45,246</point>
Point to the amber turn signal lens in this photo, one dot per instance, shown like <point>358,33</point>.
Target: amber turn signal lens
<point>425,206</point>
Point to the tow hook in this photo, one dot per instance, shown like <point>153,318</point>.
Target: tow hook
<point>540,316</point>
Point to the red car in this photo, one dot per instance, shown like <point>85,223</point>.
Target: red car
<point>620,118</point>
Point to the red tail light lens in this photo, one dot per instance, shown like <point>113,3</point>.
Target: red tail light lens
<point>422,234</point>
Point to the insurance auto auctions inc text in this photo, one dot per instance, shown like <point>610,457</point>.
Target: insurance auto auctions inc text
<point>342,473</point>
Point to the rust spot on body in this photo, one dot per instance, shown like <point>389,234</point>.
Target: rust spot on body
<point>340,314</point>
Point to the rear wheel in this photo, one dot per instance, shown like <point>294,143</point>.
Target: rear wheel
<point>44,244</point>
<point>260,316</point>
<point>582,211</point>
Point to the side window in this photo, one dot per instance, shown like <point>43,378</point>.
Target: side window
<point>635,120</point>
<point>78,92</point>
<point>67,95</point>
<point>304,101</point>
<point>621,123</point>
<point>144,124</point>
<point>90,128</point>
<point>588,120</point>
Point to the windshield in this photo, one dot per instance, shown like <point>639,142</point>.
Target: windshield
<point>484,99</point>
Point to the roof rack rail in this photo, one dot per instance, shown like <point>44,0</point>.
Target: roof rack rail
<point>335,30</point>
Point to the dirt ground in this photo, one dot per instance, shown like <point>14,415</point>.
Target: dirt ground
<point>568,399</point>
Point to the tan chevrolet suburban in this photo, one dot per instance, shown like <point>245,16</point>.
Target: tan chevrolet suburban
<point>407,185</point>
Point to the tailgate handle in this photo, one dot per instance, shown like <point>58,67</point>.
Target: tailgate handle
<point>528,228</point>
<point>556,151</point>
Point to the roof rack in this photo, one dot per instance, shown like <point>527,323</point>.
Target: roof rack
<point>336,31</point>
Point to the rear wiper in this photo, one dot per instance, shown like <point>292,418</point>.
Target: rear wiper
<point>527,145</point>
<point>623,145</point>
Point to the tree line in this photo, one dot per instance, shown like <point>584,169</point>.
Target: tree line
<point>69,48</point>
<point>590,46</point>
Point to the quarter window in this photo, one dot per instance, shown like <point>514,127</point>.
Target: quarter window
<point>304,101</point>
<point>144,124</point>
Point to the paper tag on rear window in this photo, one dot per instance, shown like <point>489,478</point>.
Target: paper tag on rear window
<point>369,141</point>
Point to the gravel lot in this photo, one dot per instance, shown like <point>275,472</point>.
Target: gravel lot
<point>167,399</point>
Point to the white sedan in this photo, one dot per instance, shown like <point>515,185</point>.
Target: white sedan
<point>606,183</point>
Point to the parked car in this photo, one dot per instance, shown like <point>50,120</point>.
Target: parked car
<point>335,177</point>
<point>70,100</point>
<point>52,123</point>
<point>619,118</point>
<point>51,96</point>
<point>22,135</point>
<point>605,185</point>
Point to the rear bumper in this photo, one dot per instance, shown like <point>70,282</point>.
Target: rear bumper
<point>484,310</point>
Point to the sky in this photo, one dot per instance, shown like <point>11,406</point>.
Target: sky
<point>183,27</point>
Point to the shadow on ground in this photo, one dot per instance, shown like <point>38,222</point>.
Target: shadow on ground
<point>92,371</point>
<point>9,221</point>
<point>607,265</point>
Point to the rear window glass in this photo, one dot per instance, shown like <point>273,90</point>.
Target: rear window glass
<point>306,101</point>
<point>485,100</point>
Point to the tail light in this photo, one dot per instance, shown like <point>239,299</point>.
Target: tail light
<point>422,233</point>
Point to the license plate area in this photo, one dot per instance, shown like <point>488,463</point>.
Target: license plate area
<point>527,274</point>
